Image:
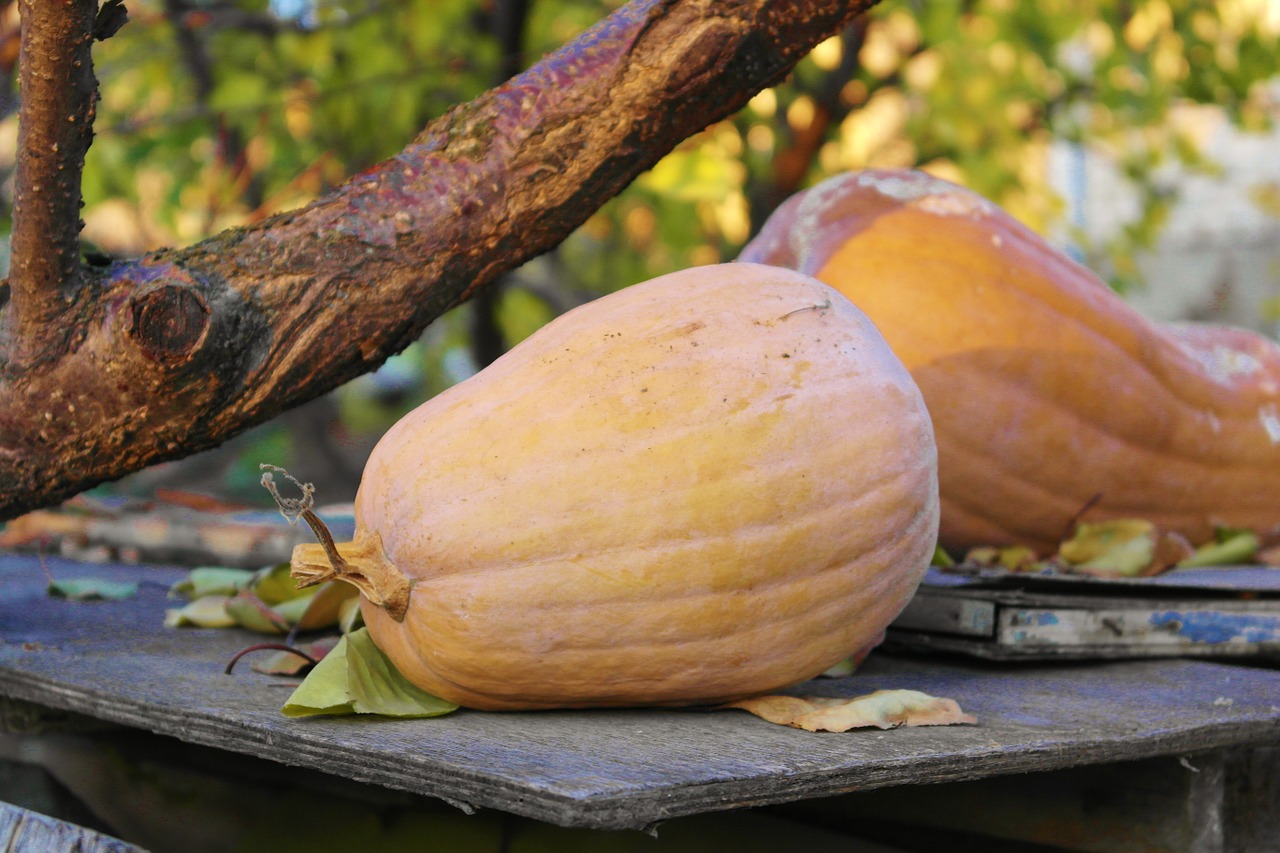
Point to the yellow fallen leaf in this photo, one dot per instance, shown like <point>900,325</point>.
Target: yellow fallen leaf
<point>884,709</point>
<point>1014,558</point>
<point>1124,547</point>
<point>207,611</point>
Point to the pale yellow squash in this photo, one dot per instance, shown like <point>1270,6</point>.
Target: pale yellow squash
<point>1048,392</point>
<point>706,486</point>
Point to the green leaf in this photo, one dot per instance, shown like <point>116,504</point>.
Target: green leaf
<point>377,687</point>
<point>208,611</point>
<point>1014,558</point>
<point>324,690</point>
<point>274,585</point>
<point>1229,548</point>
<point>92,589</point>
<point>294,609</point>
<point>211,580</point>
<point>350,618</point>
<point>1116,548</point>
<point>844,668</point>
<point>250,612</point>
<point>694,174</point>
<point>941,558</point>
<point>357,678</point>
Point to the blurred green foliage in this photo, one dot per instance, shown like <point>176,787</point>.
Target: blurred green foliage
<point>220,112</point>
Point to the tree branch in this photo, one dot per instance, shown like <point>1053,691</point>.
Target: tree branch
<point>793,159</point>
<point>507,22</point>
<point>55,127</point>
<point>188,347</point>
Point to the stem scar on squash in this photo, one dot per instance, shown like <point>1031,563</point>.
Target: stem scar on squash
<point>820,306</point>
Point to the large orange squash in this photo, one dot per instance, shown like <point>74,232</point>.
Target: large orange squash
<point>710,485</point>
<point>1045,388</point>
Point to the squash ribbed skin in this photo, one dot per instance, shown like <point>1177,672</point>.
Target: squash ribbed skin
<point>1045,388</point>
<point>706,486</point>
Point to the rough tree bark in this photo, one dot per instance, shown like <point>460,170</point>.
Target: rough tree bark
<point>59,97</point>
<point>162,356</point>
<point>507,20</point>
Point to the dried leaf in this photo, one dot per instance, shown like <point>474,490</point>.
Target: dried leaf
<point>357,678</point>
<point>209,611</point>
<point>324,609</point>
<point>196,501</point>
<point>1171,549</point>
<point>1014,558</point>
<point>92,589</point>
<point>1269,556</point>
<point>43,525</point>
<point>1018,558</point>
<point>1117,548</point>
<point>884,709</point>
<point>287,663</point>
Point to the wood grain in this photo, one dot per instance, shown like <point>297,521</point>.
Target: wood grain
<point>611,769</point>
<point>23,830</point>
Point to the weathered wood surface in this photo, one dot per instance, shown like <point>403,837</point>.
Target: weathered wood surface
<point>1222,801</point>
<point>1009,624</point>
<point>23,831</point>
<point>611,769</point>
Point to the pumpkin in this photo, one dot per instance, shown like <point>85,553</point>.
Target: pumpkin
<point>702,487</point>
<point>1047,391</point>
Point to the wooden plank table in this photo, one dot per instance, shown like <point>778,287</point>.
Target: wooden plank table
<point>114,660</point>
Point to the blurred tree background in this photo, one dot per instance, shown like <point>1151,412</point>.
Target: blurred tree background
<point>221,112</point>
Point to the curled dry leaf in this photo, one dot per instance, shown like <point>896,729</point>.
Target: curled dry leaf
<point>883,709</point>
<point>293,663</point>
<point>327,606</point>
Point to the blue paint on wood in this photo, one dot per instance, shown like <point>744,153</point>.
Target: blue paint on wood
<point>1034,617</point>
<point>1257,578</point>
<point>1217,627</point>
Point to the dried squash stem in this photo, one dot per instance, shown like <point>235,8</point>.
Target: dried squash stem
<point>361,562</point>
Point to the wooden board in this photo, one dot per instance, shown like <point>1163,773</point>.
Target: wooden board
<point>23,830</point>
<point>1083,623</point>
<point>610,769</point>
